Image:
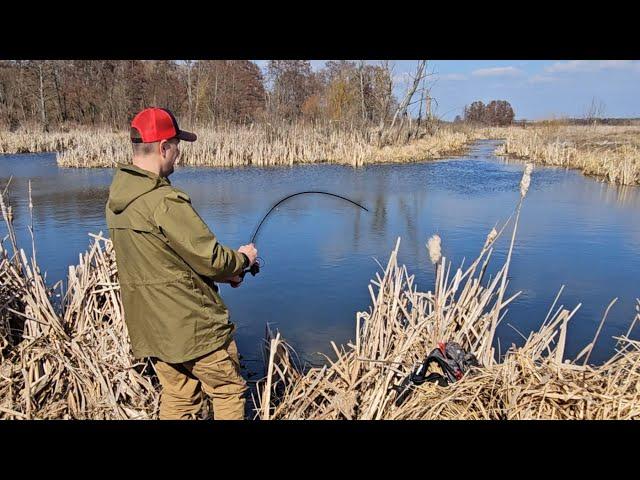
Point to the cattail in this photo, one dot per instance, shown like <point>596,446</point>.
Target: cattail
<point>435,252</point>
<point>526,180</point>
<point>491,237</point>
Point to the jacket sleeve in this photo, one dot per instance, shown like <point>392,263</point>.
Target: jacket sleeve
<point>192,240</point>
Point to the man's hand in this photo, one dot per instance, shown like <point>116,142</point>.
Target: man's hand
<point>250,251</point>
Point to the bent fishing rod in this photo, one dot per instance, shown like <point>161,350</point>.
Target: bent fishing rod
<point>255,268</point>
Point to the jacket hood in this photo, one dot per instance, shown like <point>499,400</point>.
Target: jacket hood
<point>129,183</point>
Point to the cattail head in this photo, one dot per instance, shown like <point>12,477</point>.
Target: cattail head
<point>491,237</point>
<point>435,252</point>
<point>526,180</point>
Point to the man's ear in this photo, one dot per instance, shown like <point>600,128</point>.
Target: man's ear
<point>163,146</point>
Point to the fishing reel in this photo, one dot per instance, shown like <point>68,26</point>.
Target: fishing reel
<point>253,270</point>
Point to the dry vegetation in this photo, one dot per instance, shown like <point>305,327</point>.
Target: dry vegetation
<point>533,381</point>
<point>71,358</point>
<point>68,358</point>
<point>611,153</point>
<point>257,145</point>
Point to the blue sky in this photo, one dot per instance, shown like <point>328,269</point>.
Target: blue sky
<point>536,89</point>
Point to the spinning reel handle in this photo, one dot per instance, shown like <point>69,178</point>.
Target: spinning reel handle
<point>253,270</point>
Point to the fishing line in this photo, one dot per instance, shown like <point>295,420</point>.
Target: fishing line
<point>255,234</point>
<point>255,268</point>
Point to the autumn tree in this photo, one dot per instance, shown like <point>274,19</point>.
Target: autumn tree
<point>356,92</point>
<point>474,113</point>
<point>228,90</point>
<point>291,83</point>
<point>342,90</point>
<point>9,96</point>
<point>496,113</point>
<point>166,86</point>
<point>107,93</point>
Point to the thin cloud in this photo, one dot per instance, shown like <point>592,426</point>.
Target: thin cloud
<point>593,66</point>
<point>497,72</point>
<point>453,76</point>
<point>541,79</point>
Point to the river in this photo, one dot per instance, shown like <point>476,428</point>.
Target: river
<point>319,252</point>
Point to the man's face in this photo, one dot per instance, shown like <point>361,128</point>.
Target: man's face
<point>169,152</point>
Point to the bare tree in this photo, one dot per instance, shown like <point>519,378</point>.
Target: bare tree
<point>43,112</point>
<point>411,90</point>
<point>292,82</point>
<point>594,111</point>
<point>189,65</point>
<point>361,75</point>
<point>108,92</point>
<point>425,99</point>
<point>386,96</point>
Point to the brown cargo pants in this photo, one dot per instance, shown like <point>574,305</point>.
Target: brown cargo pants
<point>217,374</point>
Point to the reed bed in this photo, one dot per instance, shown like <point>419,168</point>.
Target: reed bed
<point>67,356</point>
<point>260,145</point>
<point>33,141</point>
<point>608,152</point>
<point>266,146</point>
<point>533,381</point>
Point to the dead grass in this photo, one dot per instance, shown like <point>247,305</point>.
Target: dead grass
<point>611,153</point>
<point>258,145</point>
<point>534,381</point>
<point>68,359</point>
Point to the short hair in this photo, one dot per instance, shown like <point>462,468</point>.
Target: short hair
<point>140,148</point>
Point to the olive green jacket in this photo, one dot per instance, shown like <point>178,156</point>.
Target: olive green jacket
<point>167,261</point>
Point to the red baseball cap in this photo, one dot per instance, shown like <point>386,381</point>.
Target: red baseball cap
<point>155,124</point>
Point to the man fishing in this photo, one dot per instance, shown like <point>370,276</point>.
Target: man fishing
<point>168,262</point>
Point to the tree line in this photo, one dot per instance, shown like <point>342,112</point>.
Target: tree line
<point>495,113</point>
<point>61,93</point>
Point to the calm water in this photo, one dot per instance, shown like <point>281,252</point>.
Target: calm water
<point>319,251</point>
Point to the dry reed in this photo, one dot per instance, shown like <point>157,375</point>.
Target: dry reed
<point>611,153</point>
<point>533,381</point>
<point>68,358</point>
<point>256,145</point>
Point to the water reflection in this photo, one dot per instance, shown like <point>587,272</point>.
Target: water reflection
<point>319,251</point>
<point>621,195</point>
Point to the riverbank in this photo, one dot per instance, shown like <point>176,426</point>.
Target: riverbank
<point>67,357</point>
<point>71,358</point>
<point>257,145</point>
<point>610,153</point>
